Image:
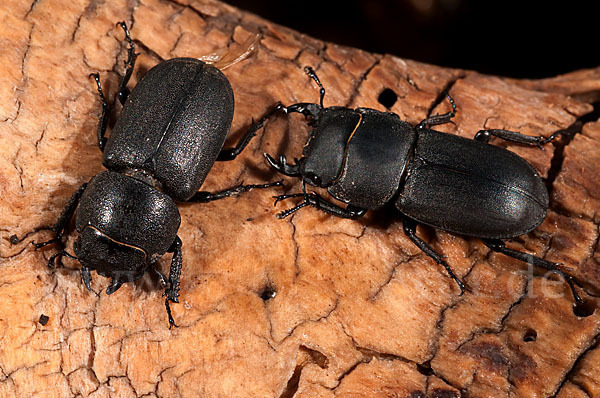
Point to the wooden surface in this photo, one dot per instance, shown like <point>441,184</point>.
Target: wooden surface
<point>359,310</point>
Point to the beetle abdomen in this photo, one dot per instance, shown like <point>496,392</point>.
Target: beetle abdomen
<point>375,157</point>
<point>472,188</point>
<point>173,125</point>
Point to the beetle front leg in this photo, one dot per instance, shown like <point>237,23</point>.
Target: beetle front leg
<point>103,120</point>
<point>513,136</point>
<point>129,65</point>
<point>313,199</point>
<point>86,277</point>
<point>172,290</point>
<point>410,229</point>
<point>498,246</point>
<point>231,153</point>
<point>439,119</point>
<point>205,197</point>
<point>60,228</point>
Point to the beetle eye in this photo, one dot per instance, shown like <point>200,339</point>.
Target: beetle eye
<point>313,179</point>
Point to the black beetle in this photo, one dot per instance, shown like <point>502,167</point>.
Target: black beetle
<point>367,158</point>
<point>170,132</point>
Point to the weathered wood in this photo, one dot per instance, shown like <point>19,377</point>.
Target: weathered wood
<point>359,310</point>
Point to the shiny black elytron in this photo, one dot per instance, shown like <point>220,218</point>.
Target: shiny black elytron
<point>367,158</point>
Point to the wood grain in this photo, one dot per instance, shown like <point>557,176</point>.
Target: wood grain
<point>359,310</point>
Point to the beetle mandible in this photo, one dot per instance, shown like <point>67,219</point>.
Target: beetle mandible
<point>170,132</point>
<point>366,158</point>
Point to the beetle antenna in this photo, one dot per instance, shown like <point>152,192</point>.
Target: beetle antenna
<point>311,73</point>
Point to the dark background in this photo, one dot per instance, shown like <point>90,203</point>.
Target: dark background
<point>528,39</point>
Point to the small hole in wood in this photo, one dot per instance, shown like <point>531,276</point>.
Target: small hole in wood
<point>530,335</point>
<point>387,98</point>
<point>267,293</point>
<point>584,309</point>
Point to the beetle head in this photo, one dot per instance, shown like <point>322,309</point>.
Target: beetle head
<point>109,257</point>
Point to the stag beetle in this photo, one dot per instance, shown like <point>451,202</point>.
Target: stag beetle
<point>366,158</point>
<point>170,132</point>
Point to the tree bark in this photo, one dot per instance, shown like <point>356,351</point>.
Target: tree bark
<point>358,309</point>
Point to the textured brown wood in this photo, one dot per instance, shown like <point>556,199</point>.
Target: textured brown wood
<point>359,310</point>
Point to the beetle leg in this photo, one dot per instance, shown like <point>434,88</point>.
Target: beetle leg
<point>52,259</point>
<point>513,136</point>
<point>123,92</point>
<point>410,229</point>
<point>231,153</point>
<point>163,279</point>
<point>115,284</point>
<point>311,73</point>
<point>317,201</point>
<point>439,119</point>
<point>204,196</point>
<point>103,120</point>
<point>281,165</point>
<point>305,108</point>
<point>172,290</point>
<point>60,228</point>
<point>86,277</point>
<point>498,246</point>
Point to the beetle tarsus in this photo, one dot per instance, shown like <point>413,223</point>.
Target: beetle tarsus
<point>438,119</point>
<point>318,202</point>
<point>169,314</point>
<point>499,246</point>
<point>311,73</point>
<point>123,92</point>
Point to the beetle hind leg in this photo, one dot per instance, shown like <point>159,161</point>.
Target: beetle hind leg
<point>498,246</point>
<point>410,229</point>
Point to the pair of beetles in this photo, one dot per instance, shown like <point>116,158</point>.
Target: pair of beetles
<point>172,129</point>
